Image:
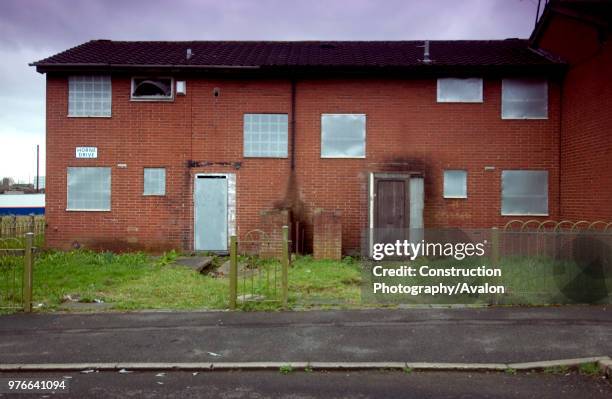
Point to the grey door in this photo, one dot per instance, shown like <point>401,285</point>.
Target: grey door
<point>210,212</point>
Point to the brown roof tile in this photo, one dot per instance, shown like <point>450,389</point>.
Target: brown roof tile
<point>347,54</point>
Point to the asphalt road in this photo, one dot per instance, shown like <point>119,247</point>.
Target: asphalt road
<point>374,384</point>
<point>430,335</point>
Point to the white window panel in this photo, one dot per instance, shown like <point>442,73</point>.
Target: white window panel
<point>265,135</point>
<point>455,184</point>
<point>525,98</point>
<point>525,192</point>
<point>89,96</point>
<point>89,189</point>
<point>343,135</point>
<point>154,181</point>
<point>456,90</point>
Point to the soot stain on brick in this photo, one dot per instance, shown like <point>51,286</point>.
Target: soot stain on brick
<point>292,200</point>
<point>404,164</point>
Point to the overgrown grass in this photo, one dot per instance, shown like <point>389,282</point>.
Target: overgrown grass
<point>135,281</point>
<point>128,281</point>
<point>321,282</point>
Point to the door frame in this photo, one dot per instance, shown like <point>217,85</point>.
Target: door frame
<point>373,178</point>
<point>231,204</point>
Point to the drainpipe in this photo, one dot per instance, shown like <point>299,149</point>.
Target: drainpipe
<point>560,154</point>
<point>292,124</point>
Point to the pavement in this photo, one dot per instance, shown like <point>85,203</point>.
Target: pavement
<point>371,384</point>
<point>482,335</point>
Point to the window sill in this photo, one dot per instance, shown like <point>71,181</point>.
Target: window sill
<point>542,118</point>
<point>453,197</point>
<point>460,102</point>
<point>88,210</point>
<point>89,116</point>
<point>264,157</point>
<point>149,100</point>
<point>527,214</point>
<point>347,157</point>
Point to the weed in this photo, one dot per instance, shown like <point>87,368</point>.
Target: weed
<point>167,258</point>
<point>591,368</point>
<point>285,369</point>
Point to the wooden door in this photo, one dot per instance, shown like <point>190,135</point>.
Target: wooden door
<point>391,216</point>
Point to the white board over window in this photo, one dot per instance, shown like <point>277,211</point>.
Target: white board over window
<point>460,90</point>
<point>343,135</point>
<point>154,181</point>
<point>525,192</point>
<point>89,189</point>
<point>455,184</point>
<point>524,98</point>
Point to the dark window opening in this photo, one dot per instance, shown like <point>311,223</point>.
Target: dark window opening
<point>152,88</point>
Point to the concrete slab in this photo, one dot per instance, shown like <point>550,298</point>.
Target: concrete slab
<point>198,263</point>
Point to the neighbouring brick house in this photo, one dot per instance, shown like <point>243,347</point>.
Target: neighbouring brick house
<point>157,145</point>
<point>578,33</point>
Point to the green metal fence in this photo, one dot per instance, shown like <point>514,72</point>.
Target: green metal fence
<point>16,260</point>
<point>259,269</point>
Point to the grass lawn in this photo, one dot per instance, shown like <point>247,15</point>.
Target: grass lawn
<point>137,281</point>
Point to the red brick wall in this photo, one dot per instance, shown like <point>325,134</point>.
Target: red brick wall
<point>327,235</point>
<point>406,130</point>
<point>586,127</point>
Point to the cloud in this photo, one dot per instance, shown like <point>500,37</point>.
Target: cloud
<point>34,29</point>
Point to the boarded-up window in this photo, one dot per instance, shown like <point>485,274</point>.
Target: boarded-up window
<point>89,189</point>
<point>265,135</point>
<point>154,181</point>
<point>89,96</point>
<point>455,184</point>
<point>524,192</point>
<point>456,90</point>
<point>525,98</point>
<point>343,135</point>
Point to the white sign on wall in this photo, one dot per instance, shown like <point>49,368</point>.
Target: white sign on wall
<point>87,152</point>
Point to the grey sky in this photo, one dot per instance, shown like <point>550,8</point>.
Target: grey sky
<point>34,29</point>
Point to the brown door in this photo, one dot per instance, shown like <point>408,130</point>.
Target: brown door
<point>391,210</point>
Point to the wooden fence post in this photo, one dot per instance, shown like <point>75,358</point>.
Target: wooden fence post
<point>495,246</point>
<point>233,272</point>
<point>27,273</point>
<point>285,267</point>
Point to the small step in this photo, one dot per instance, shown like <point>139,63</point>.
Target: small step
<point>197,263</point>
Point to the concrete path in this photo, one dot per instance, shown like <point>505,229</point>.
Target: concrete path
<point>487,335</point>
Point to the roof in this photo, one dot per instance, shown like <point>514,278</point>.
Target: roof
<point>298,54</point>
<point>595,12</point>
